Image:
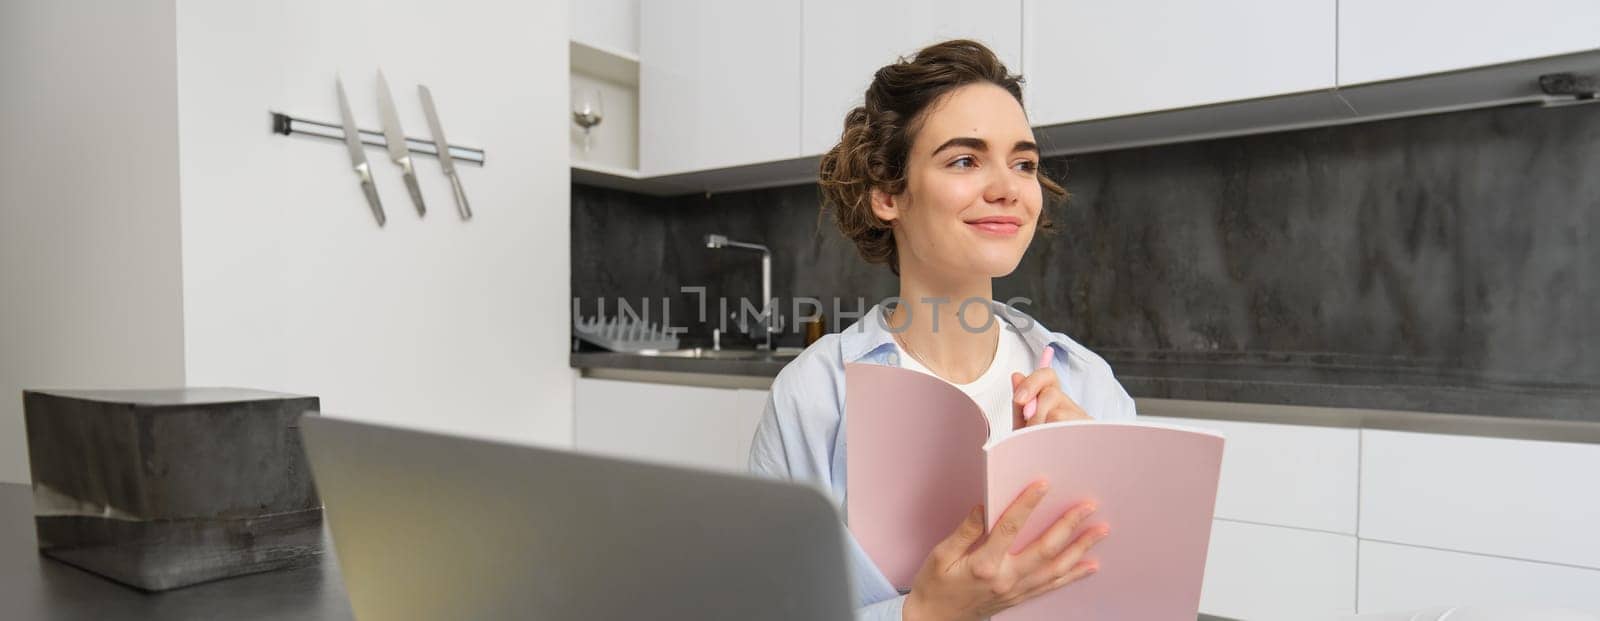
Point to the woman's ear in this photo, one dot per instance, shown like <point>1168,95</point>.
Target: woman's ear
<point>884,206</point>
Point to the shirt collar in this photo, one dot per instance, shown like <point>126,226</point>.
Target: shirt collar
<point>869,335</point>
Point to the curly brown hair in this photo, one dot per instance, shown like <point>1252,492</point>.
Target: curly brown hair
<point>877,138</point>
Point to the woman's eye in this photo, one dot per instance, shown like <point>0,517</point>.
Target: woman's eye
<point>1027,166</point>
<point>965,161</point>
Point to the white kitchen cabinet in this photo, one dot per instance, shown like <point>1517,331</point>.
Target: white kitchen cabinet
<point>663,423</point>
<point>845,41</point>
<point>1263,572</point>
<point>1398,578</point>
<point>1094,60</point>
<point>750,406</point>
<point>719,84</point>
<point>1286,475</point>
<point>1390,39</point>
<point>1521,499</point>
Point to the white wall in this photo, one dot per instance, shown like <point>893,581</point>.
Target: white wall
<point>154,233</point>
<point>288,282</point>
<point>90,292</point>
<point>613,24</point>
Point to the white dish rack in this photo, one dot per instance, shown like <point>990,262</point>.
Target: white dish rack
<point>623,334</point>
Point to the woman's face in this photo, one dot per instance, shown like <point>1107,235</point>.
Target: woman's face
<point>972,197</point>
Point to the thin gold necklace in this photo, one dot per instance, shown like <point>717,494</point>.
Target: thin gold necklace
<point>902,343</point>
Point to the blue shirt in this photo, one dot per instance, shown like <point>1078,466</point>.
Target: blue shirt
<point>800,437</point>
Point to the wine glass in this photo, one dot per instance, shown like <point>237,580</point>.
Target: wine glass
<point>587,110</point>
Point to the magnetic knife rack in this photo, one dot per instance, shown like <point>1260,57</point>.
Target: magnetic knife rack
<point>288,125</point>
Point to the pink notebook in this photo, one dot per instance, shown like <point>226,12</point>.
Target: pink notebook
<point>917,462</point>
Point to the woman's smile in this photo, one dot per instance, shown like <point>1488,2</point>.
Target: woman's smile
<point>998,226</point>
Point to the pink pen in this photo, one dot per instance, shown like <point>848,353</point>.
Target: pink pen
<point>1045,359</point>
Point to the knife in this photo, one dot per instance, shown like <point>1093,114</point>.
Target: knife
<point>358,156</point>
<point>397,143</point>
<point>446,162</point>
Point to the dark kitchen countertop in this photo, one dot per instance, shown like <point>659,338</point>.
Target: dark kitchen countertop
<point>1349,384</point>
<point>1337,393</point>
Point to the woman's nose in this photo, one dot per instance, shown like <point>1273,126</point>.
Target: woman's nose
<point>1003,186</point>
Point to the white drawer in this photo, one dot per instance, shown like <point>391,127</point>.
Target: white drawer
<point>678,425</point>
<point>1263,573</point>
<point>1397,578</point>
<point>1288,475</point>
<point>1522,499</point>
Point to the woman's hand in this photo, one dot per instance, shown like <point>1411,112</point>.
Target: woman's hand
<point>972,576</point>
<point>1054,405</point>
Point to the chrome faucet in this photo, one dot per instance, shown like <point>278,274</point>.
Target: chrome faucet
<point>770,324</point>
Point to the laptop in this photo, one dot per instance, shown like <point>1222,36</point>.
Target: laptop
<point>430,526</point>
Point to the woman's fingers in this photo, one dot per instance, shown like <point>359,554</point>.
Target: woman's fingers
<point>989,560</point>
<point>1017,421</point>
<point>1055,539</point>
<point>1053,406</point>
<point>1078,571</point>
<point>1067,562</point>
<point>967,533</point>
<point>1057,406</point>
<point>1049,401</point>
<point>1032,385</point>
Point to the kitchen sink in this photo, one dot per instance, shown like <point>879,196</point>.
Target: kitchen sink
<point>706,353</point>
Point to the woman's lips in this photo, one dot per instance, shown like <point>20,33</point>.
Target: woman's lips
<point>1003,227</point>
<point>996,228</point>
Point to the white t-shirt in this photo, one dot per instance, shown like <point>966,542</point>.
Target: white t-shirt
<point>992,390</point>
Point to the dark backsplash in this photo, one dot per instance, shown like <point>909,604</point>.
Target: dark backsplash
<point>1432,263</point>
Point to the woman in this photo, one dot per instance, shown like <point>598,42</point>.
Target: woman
<point>937,177</point>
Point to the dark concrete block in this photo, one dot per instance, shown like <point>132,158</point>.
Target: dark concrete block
<point>160,489</point>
